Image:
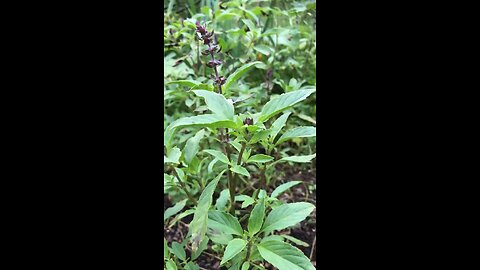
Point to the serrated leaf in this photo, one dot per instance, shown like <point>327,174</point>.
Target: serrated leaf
<point>217,103</point>
<point>218,155</point>
<point>283,102</point>
<point>299,159</point>
<point>287,215</point>
<point>257,215</point>
<point>234,247</point>
<point>298,132</point>
<point>174,209</point>
<point>179,251</point>
<point>283,187</point>
<point>240,170</point>
<point>198,226</point>
<point>284,256</point>
<point>224,223</point>
<point>192,145</point>
<point>237,74</point>
<point>222,200</point>
<point>278,125</point>
<point>260,158</point>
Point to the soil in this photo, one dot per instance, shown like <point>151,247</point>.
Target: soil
<point>305,232</point>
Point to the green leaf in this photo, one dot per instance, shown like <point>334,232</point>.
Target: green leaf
<point>262,194</point>
<point>250,24</point>
<point>260,158</point>
<point>237,74</point>
<point>204,120</point>
<point>203,245</point>
<point>245,266</point>
<point>250,14</point>
<point>283,102</point>
<point>255,220</point>
<point>192,145</point>
<point>263,49</point>
<point>165,249</point>
<point>295,240</point>
<point>223,199</point>
<point>298,132</point>
<point>287,215</point>
<point>219,238</point>
<point>272,238</point>
<point>284,256</point>
<point>233,248</point>
<point>226,16</point>
<point>173,156</point>
<point>299,159</point>
<point>307,118</point>
<point>224,223</point>
<point>217,103</point>
<point>191,266</point>
<point>259,135</point>
<point>180,216</point>
<point>218,155</point>
<point>210,165</point>
<point>179,251</point>
<point>174,209</point>
<point>283,187</point>
<point>171,265</point>
<point>247,200</point>
<point>278,125</point>
<point>198,226</point>
<point>189,83</point>
<point>240,170</point>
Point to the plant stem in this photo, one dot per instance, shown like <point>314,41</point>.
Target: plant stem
<point>240,155</point>
<point>244,217</point>
<point>184,187</point>
<point>249,247</point>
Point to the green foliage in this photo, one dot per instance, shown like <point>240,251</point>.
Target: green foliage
<point>234,127</point>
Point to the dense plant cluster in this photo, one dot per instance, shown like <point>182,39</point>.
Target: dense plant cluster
<point>239,117</point>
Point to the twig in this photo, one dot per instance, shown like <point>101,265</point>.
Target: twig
<point>211,255</point>
<point>313,247</point>
<point>192,199</point>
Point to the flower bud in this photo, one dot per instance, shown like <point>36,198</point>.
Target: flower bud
<point>214,63</point>
<point>248,121</point>
<point>220,80</point>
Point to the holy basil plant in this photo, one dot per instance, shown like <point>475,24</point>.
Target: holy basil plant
<point>217,163</point>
